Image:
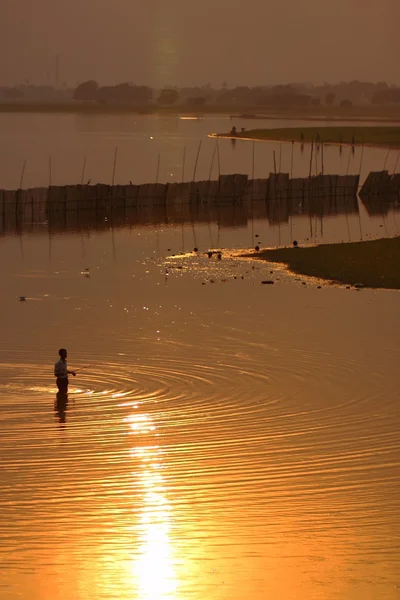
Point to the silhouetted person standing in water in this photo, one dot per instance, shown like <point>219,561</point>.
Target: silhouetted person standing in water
<point>61,372</point>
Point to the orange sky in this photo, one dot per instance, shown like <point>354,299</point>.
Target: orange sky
<point>185,43</point>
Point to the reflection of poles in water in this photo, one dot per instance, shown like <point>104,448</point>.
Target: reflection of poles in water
<point>183,236</point>
<point>252,192</point>
<point>60,407</point>
<point>359,219</point>
<point>347,221</point>
<point>21,181</point>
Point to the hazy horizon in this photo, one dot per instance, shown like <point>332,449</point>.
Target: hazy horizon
<point>179,44</point>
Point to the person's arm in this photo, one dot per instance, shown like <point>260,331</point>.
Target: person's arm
<point>71,373</point>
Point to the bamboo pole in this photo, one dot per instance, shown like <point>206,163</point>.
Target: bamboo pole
<point>252,169</point>
<point>158,166</point>
<point>322,158</point>
<point>291,161</point>
<point>274,162</point>
<point>49,171</point>
<point>316,159</point>
<point>395,166</point>
<point>219,160</point>
<point>387,156</point>
<point>212,163</point>
<point>348,162</point>
<point>197,160</point>
<point>21,181</point>
<point>280,158</point>
<point>311,157</point>
<point>114,165</point>
<point>83,170</point>
<point>183,163</point>
<point>361,158</point>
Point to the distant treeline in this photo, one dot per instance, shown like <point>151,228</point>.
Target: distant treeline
<point>292,95</point>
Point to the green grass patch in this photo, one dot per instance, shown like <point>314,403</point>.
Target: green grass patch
<point>374,264</point>
<point>372,136</point>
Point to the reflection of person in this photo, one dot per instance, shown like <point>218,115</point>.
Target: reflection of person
<point>61,371</point>
<point>60,406</point>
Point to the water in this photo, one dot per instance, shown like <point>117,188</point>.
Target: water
<point>140,139</point>
<point>225,440</point>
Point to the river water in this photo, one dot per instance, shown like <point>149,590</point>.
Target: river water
<point>224,439</point>
<point>61,148</point>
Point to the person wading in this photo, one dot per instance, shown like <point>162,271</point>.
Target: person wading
<point>61,371</point>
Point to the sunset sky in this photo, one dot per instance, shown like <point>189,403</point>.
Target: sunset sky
<point>185,43</point>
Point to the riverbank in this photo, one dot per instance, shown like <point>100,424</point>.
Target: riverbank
<point>373,264</point>
<point>369,136</point>
<point>315,113</point>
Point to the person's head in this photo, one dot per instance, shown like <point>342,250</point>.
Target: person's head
<point>63,353</point>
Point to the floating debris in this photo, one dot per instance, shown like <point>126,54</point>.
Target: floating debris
<point>268,282</point>
<point>22,298</point>
<point>257,248</point>
<point>295,243</point>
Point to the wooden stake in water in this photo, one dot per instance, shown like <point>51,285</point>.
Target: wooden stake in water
<point>115,165</point>
<point>219,161</point>
<point>252,169</point>
<point>387,156</point>
<point>158,166</point>
<point>348,162</point>
<point>395,166</point>
<point>311,157</point>
<point>197,160</point>
<point>316,158</point>
<point>291,161</point>
<point>280,158</point>
<point>49,171</point>
<point>21,181</point>
<point>274,162</point>
<point>83,170</point>
<point>212,163</point>
<point>361,158</point>
<point>322,158</point>
<point>183,163</point>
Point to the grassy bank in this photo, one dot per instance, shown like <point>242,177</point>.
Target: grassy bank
<point>353,113</point>
<point>374,264</point>
<point>371,136</point>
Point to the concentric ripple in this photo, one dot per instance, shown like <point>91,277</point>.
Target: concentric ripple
<point>187,446</point>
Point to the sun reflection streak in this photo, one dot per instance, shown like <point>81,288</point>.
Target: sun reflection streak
<point>154,568</point>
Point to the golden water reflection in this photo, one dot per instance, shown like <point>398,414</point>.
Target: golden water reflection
<point>153,570</point>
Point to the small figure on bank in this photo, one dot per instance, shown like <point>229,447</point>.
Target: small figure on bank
<point>233,130</point>
<point>61,371</point>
